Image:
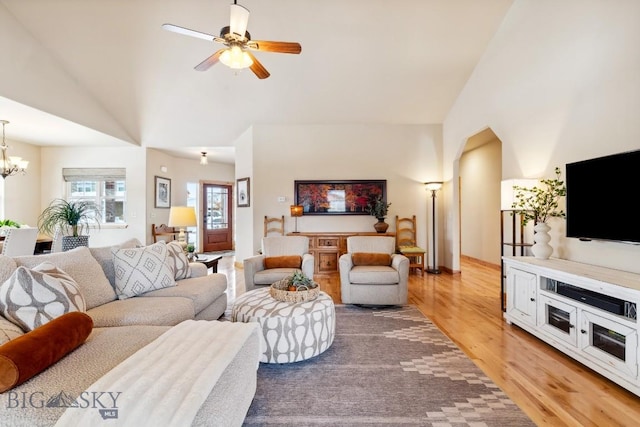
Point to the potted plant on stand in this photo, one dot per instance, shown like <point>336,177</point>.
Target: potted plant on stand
<point>74,217</point>
<point>379,208</point>
<point>539,205</point>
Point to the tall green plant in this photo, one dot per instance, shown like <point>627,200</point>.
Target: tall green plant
<point>539,204</point>
<point>74,214</point>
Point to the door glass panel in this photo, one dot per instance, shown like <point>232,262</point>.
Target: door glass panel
<point>217,199</point>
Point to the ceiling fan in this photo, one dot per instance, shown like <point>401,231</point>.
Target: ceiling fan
<point>238,44</point>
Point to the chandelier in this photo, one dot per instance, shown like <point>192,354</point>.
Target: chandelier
<point>10,165</point>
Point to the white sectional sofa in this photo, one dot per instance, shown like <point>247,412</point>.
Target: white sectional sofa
<point>124,327</point>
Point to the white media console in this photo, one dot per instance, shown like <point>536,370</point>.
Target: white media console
<point>587,312</point>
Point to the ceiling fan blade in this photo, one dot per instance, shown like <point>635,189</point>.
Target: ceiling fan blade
<point>280,47</point>
<point>188,32</point>
<point>210,61</point>
<point>257,68</point>
<point>239,19</point>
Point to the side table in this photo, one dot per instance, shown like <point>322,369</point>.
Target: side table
<point>211,261</point>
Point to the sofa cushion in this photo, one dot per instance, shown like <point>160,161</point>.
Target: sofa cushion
<point>9,330</point>
<point>178,261</point>
<point>370,258</point>
<point>374,275</point>
<point>201,290</point>
<point>32,353</point>
<point>33,297</point>
<point>140,270</point>
<point>7,267</point>
<point>104,256</point>
<point>83,268</point>
<point>285,261</point>
<point>141,310</point>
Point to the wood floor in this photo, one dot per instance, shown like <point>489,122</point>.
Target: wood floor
<point>550,387</point>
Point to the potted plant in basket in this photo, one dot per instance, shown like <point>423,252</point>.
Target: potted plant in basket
<point>299,280</point>
<point>378,207</point>
<point>75,216</point>
<point>539,204</point>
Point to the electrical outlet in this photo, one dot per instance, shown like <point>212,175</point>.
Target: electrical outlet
<point>282,199</point>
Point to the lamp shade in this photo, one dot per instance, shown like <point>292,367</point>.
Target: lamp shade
<point>296,210</point>
<point>433,186</point>
<point>182,216</point>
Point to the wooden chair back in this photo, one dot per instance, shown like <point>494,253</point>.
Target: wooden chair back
<point>163,232</point>
<point>273,226</point>
<point>405,231</point>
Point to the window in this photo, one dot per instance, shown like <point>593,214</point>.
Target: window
<point>104,186</point>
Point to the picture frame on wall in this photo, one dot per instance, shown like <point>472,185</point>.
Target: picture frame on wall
<point>162,192</point>
<point>243,190</point>
<point>338,197</point>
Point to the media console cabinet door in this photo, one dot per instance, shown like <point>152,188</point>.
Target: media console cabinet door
<point>521,295</point>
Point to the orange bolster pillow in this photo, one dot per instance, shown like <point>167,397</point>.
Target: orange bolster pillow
<point>289,261</point>
<point>366,258</point>
<point>29,354</point>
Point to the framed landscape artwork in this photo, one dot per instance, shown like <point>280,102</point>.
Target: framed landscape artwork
<point>243,190</point>
<point>162,192</point>
<point>338,197</point>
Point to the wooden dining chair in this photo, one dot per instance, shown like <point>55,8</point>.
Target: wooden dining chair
<point>273,226</point>
<point>163,232</point>
<point>406,242</point>
<point>20,241</point>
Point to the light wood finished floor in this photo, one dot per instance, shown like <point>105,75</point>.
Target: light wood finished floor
<point>550,387</point>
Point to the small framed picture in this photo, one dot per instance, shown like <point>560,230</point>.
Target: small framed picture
<point>163,192</point>
<point>243,192</point>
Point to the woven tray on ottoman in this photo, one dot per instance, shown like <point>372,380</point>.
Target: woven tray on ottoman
<point>278,290</point>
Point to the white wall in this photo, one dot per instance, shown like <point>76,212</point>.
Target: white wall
<point>405,155</point>
<point>560,82</point>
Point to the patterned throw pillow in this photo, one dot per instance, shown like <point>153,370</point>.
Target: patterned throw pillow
<point>178,261</point>
<point>32,297</point>
<point>140,270</point>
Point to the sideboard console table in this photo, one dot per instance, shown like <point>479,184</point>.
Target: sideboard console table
<point>327,247</point>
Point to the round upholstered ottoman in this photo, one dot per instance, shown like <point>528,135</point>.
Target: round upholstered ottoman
<point>291,331</point>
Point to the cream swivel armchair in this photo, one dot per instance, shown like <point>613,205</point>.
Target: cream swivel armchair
<point>281,257</point>
<point>371,273</point>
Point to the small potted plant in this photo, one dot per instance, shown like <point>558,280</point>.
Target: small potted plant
<point>75,216</point>
<point>539,204</point>
<point>191,252</point>
<point>379,208</point>
<point>299,281</point>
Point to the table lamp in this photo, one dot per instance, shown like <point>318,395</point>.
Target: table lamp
<point>182,217</point>
<point>296,211</point>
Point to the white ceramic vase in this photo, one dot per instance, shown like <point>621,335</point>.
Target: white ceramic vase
<point>541,249</point>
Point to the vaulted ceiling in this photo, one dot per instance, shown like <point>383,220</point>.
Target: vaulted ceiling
<point>362,61</point>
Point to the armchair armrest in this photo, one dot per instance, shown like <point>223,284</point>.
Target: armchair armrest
<point>198,269</point>
<point>251,266</point>
<point>307,265</point>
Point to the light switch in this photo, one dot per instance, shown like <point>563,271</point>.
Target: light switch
<point>282,199</point>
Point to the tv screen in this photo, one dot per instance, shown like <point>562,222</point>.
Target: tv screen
<point>600,196</point>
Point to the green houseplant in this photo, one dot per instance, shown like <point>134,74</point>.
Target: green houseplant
<point>299,280</point>
<point>539,204</point>
<point>75,216</point>
<point>379,208</point>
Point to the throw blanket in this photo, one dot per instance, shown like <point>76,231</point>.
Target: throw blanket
<point>165,382</point>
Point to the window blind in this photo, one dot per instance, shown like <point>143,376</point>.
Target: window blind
<point>94,174</point>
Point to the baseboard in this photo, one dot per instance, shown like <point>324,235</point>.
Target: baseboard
<point>482,262</point>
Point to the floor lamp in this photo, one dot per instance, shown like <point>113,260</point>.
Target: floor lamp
<point>296,211</point>
<point>433,187</point>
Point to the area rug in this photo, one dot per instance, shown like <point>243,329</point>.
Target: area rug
<point>387,366</point>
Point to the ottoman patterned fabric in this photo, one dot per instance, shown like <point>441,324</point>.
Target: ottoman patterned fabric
<point>291,332</point>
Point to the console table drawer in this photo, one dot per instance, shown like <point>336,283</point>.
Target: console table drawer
<point>327,242</point>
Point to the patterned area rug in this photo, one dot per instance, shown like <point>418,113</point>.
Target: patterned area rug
<point>387,366</point>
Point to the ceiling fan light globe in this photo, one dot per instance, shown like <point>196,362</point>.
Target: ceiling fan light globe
<point>236,58</point>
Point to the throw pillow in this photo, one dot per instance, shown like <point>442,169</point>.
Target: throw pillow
<point>85,270</point>
<point>367,258</point>
<point>33,297</point>
<point>28,355</point>
<point>178,261</point>
<point>140,270</point>
<point>104,256</point>
<point>288,261</point>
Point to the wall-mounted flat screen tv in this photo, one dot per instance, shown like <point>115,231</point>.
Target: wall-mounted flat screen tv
<point>601,198</point>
